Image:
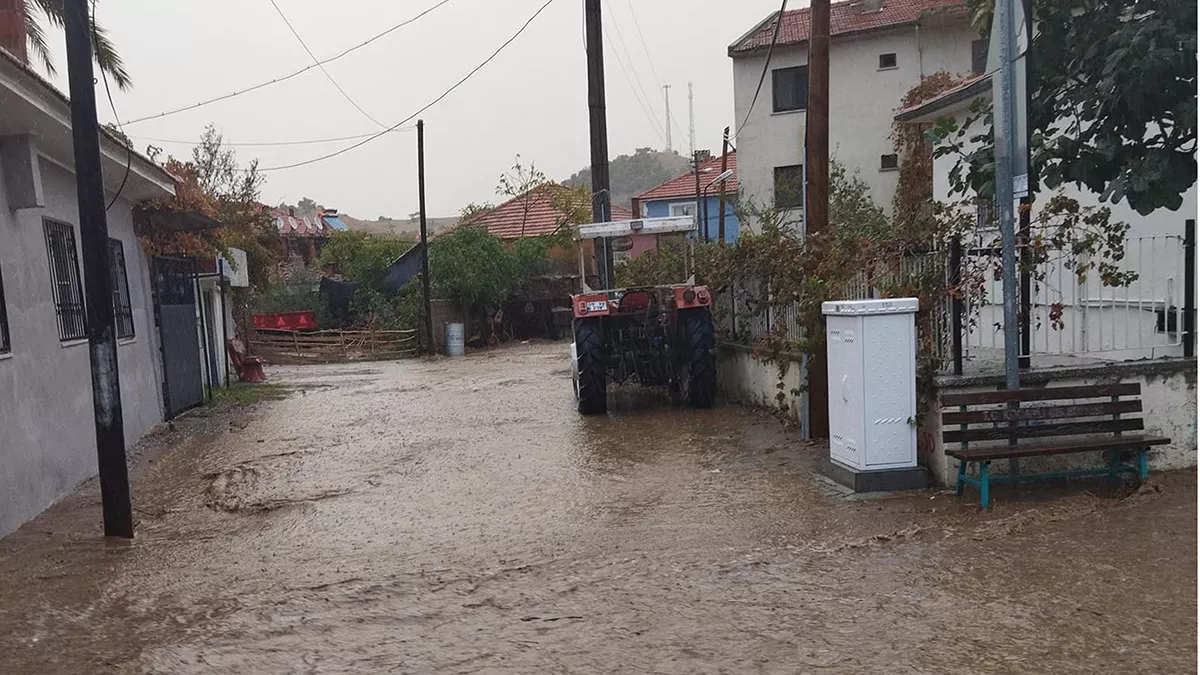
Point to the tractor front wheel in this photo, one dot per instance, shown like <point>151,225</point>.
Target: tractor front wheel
<point>590,368</point>
<point>697,366</point>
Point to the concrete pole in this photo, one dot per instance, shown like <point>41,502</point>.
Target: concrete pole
<point>93,229</point>
<point>597,117</point>
<point>1005,120</point>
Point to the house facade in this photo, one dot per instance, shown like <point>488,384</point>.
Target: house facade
<point>678,197</point>
<point>47,425</point>
<point>1141,320</point>
<point>879,50</point>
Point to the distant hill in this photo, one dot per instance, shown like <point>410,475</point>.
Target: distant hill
<point>630,175</point>
<point>410,227</point>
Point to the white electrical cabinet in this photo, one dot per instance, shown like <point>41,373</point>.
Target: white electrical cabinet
<point>872,350</point>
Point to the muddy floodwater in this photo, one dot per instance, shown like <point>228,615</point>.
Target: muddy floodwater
<point>458,516</point>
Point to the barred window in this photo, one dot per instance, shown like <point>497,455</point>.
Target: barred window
<point>122,311</point>
<point>5,345</point>
<point>64,279</point>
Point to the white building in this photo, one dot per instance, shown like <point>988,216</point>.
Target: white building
<point>879,50</point>
<point>47,424</point>
<point>1137,321</point>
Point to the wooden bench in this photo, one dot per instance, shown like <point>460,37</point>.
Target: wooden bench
<point>983,426</point>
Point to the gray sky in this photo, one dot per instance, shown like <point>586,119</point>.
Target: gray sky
<point>531,100</point>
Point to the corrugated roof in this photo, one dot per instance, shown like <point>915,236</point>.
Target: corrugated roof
<point>535,213</point>
<point>334,222</point>
<point>685,185</point>
<point>844,18</point>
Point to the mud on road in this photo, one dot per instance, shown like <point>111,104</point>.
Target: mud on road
<point>459,517</point>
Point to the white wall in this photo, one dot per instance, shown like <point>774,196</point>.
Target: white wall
<point>47,432</point>
<point>863,102</point>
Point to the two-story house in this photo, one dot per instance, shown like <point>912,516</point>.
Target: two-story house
<point>879,50</point>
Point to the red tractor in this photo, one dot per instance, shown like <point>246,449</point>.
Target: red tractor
<point>657,336</point>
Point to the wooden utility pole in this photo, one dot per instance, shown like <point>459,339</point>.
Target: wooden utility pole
<point>424,236</point>
<point>97,275</point>
<point>601,199</point>
<point>724,167</point>
<point>816,191</point>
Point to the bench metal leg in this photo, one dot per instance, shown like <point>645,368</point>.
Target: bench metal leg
<point>962,473</point>
<point>983,484</point>
<point>1143,464</point>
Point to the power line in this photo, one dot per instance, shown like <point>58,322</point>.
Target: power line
<point>653,71</point>
<point>317,62</point>
<point>117,117</point>
<point>766,66</point>
<point>261,144</point>
<point>638,79</point>
<point>289,76</point>
<point>654,123</point>
<point>427,106</point>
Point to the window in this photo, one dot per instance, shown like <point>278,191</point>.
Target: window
<point>122,311</point>
<point>889,162</point>
<point>887,61</point>
<point>979,53</point>
<point>790,88</point>
<point>64,279</point>
<point>5,345</point>
<point>683,209</point>
<point>789,186</point>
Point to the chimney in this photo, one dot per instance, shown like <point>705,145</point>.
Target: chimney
<point>12,28</point>
<point>291,212</point>
<point>703,155</point>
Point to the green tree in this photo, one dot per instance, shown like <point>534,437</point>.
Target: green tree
<point>1112,102</point>
<point>630,175</point>
<point>52,12</point>
<point>362,256</point>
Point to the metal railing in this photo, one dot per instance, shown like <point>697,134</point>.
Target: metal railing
<point>1072,314</point>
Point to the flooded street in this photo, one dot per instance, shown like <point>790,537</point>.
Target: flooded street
<point>458,516</point>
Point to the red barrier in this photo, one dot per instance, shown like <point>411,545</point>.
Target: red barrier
<point>306,320</point>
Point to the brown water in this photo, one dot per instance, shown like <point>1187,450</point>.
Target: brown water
<point>459,517</point>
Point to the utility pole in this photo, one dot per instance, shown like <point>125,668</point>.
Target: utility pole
<point>424,235</point>
<point>667,99</point>
<point>1004,145</point>
<point>816,195</point>
<point>93,229</point>
<point>724,167</point>
<point>691,121</point>
<point>696,170</point>
<point>601,199</point>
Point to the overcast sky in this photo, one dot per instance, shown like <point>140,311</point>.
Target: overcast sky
<point>531,100</point>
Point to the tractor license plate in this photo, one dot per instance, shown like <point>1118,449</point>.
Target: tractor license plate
<point>597,306</point>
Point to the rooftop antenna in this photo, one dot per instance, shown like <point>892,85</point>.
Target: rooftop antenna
<point>691,121</point>
<point>667,99</point>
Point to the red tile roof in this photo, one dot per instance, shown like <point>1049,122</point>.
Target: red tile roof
<point>298,226</point>
<point>844,17</point>
<point>685,185</point>
<point>534,214</point>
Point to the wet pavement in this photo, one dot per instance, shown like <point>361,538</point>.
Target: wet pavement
<point>457,516</point>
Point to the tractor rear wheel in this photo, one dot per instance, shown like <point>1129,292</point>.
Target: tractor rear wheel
<point>590,367</point>
<point>697,366</point>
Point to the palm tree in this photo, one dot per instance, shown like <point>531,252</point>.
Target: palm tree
<point>53,11</point>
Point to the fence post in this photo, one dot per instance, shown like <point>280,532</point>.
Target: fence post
<point>956,311</point>
<point>1189,288</point>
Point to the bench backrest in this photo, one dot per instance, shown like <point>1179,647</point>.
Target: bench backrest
<point>1061,411</point>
